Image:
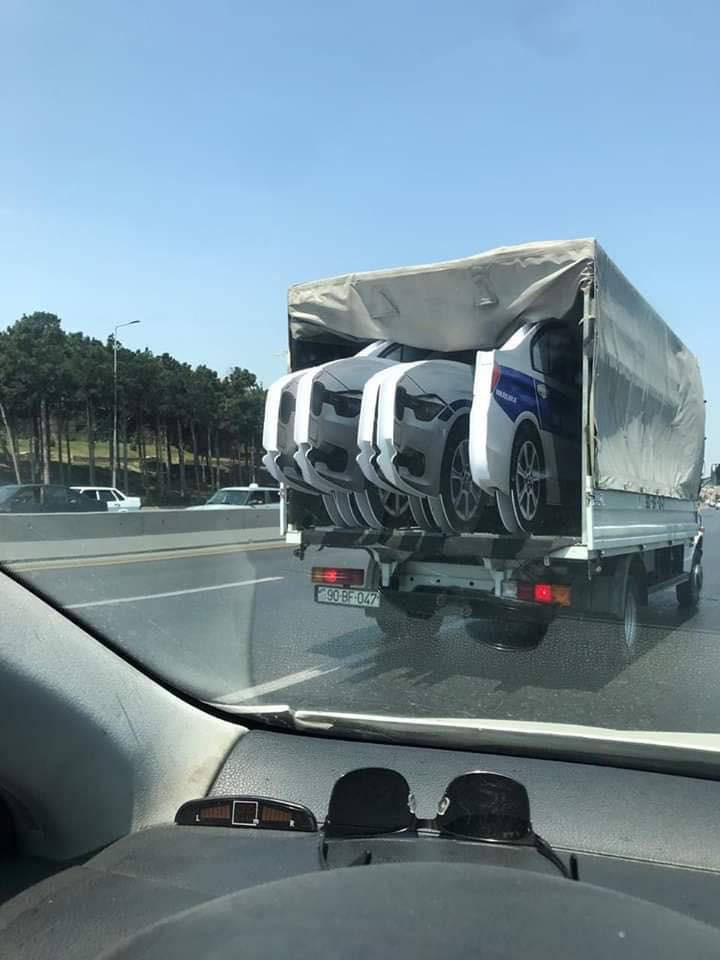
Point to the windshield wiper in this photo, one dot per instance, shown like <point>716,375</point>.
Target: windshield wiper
<point>691,754</point>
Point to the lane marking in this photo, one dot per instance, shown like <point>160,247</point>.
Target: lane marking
<point>169,593</point>
<point>287,681</point>
<point>172,553</point>
<point>290,679</point>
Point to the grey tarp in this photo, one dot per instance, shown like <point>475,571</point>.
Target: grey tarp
<point>647,391</point>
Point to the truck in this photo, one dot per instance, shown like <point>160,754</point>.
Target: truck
<point>642,421</point>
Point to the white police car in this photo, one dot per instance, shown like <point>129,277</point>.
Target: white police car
<point>328,403</point>
<point>525,423</point>
<point>422,438</point>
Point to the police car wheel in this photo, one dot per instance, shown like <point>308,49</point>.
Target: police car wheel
<point>527,480</point>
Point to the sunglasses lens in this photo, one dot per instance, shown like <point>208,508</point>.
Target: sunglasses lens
<point>485,806</point>
<point>368,802</point>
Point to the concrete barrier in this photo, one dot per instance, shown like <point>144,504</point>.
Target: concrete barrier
<point>56,535</point>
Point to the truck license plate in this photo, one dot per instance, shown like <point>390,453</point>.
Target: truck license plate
<point>346,597</point>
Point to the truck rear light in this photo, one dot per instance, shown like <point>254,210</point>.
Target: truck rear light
<point>338,576</point>
<point>542,593</point>
<point>557,593</point>
<point>496,373</point>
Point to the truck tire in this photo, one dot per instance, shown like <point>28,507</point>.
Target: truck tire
<point>396,624</point>
<point>461,503</point>
<point>527,479</point>
<point>625,631</point>
<point>688,592</point>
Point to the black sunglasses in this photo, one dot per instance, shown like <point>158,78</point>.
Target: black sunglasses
<point>476,806</point>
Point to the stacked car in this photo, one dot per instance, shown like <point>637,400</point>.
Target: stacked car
<point>397,436</point>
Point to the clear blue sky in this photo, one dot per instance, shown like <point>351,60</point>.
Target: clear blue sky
<point>181,163</point>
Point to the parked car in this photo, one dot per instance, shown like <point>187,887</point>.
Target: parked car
<point>525,423</point>
<point>251,497</point>
<point>116,500</point>
<point>422,437</point>
<point>46,498</point>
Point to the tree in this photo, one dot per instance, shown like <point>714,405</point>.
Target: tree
<point>34,346</point>
<point>88,368</point>
<point>10,400</point>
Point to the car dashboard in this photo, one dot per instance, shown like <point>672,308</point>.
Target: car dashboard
<point>642,852</point>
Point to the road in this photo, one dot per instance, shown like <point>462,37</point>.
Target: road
<point>240,624</point>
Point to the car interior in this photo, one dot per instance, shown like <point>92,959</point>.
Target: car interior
<point>138,822</point>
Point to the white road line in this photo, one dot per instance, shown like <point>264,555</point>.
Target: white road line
<point>272,685</point>
<point>171,593</point>
<point>290,679</point>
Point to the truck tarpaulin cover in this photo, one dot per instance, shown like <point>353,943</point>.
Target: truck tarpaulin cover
<point>647,392</point>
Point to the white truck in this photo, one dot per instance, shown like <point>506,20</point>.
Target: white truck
<point>642,416</point>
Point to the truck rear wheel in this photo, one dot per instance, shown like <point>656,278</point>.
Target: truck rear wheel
<point>688,592</point>
<point>625,640</point>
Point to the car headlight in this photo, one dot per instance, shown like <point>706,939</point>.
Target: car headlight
<point>425,407</point>
<point>345,403</point>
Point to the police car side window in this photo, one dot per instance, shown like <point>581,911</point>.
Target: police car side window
<point>555,353</point>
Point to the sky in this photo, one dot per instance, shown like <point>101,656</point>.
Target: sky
<point>181,163</point>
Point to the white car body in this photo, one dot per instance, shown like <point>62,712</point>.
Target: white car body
<point>116,500</point>
<point>258,498</point>
<point>443,386</point>
<point>367,433</point>
<point>278,431</point>
<point>512,388</point>
<point>323,426</point>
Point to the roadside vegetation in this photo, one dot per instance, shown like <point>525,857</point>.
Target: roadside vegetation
<point>182,430</point>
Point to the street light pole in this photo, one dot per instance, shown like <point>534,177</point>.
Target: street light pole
<point>115,398</point>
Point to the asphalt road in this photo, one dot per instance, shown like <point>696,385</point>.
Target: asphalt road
<point>241,624</point>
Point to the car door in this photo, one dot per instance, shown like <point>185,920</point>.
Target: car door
<point>255,499</point>
<point>27,500</point>
<point>556,361</point>
<point>272,499</point>
<point>56,499</point>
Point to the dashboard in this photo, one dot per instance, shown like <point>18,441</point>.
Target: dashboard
<point>644,847</point>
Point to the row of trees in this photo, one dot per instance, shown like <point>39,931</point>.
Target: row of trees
<point>57,387</point>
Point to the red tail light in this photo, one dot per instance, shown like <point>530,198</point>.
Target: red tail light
<point>496,373</point>
<point>543,593</point>
<point>557,593</point>
<point>338,577</point>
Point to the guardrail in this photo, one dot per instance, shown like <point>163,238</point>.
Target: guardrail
<point>58,535</point>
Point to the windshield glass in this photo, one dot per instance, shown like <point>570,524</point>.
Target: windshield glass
<point>500,494</point>
<point>235,498</point>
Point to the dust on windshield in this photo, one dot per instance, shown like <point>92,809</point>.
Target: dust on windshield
<point>498,475</point>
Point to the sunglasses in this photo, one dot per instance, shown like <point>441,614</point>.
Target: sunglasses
<point>476,806</point>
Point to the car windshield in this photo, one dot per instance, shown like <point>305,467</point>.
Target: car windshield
<point>231,498</point>
<point>238,249</point>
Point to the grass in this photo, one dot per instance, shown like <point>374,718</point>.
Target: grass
<point>79,452</point>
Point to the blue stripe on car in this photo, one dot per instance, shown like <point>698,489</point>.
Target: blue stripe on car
<point>515,393</point>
